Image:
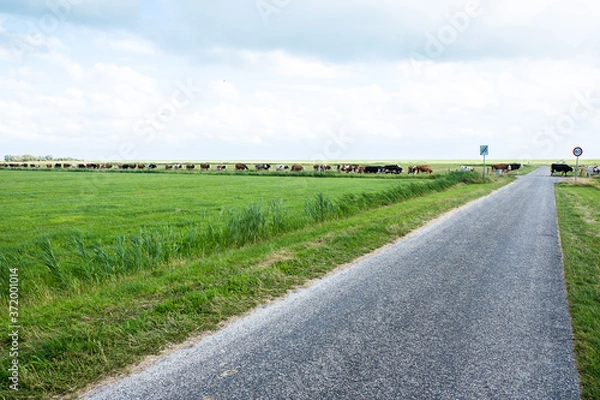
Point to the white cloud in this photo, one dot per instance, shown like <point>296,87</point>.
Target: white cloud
<point>135,46</point>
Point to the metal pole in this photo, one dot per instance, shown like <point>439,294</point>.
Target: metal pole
<point>576,167</point>
<point>484,168</point>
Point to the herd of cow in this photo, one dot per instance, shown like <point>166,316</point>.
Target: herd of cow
<point>561,168</point>
<point>348,168</point>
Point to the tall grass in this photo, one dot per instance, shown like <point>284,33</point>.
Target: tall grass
<point>89,261</point>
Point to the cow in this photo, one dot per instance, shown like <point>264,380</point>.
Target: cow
<point>595,170</point>
<point>321,167</point>
<point>348,168</point>
<point>205,166</point>
<point>190,166</point>
<point>515,166</point>
<point>297,168</point>
<point>177,166</point>
<point>392,169</point>
<point>241,167</point>
<point>262,167</point>
<point>152,166</point>
<point>282,167</point>
<point>3,165</point>
<point>168,166</point>
<point>58,165</point>
<point>426,169</point>
<point>464,168</point>
<point>501,167</point>
<point>221,167</point>
<point>562,168</point>
<point>370,169</point>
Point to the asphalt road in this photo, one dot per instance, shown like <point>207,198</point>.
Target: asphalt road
<point>473,306</point>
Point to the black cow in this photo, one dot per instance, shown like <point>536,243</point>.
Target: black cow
<point>373,170</point>
<point>152,166</point>
<point>392,169</point>
<point>562,168</point>
<point>515,166</point>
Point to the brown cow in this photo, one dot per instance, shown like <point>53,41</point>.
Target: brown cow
<point>424,168</point>
<point>297,168</point>
<point>205,166</point>
<point>168,166</point>
<point>241,167</point>
<point>190,166</point>
<point>500,167</point>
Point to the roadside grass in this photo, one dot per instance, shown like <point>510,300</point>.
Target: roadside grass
<point>73,339</point>
<point>579,221</point>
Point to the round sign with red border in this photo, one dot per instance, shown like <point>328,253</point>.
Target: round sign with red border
<point>577,151</point>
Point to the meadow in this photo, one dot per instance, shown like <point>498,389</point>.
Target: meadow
<point>114,266</point>
<point>579,221</point>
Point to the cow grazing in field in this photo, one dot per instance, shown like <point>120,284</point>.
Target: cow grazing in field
<point>3,165</point>
<point>595,170</point>
<point>152,166</point>
<point>501,167</point>
<point>392,169</point>
<point>322,167</point>
<point>297,168</point>
<point>348,168</point>
<point>205,166</point>
<point>177,166</point>
<point>282,167</point>
<point>190,166</point>
<point>373,169</point>
<point>562,168</point>
<point>221,167</point>
<point>426,169</point>
<point>168,166</point>
<point>241,167</point>
<point>464,168</point>
<point>262,167</point>
<point>57,165</point>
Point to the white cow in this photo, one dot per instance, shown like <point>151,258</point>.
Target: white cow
<point>281,167</point>
<point>466,169</point>
<point>595,170</point>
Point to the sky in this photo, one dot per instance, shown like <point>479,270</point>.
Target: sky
<point>300,79</point>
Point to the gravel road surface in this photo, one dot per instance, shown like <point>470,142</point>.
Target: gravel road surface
<point>472,306</point>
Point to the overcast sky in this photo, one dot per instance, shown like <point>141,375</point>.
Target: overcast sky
<point>299,79</point>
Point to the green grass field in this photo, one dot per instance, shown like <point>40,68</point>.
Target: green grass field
<point>579,220</point>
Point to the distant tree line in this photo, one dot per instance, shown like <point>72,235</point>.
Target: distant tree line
<point>29,157</point>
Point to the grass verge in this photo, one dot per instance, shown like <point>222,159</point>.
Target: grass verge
<point>75,339</point>
<point>579,221</point>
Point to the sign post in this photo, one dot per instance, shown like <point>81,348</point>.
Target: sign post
<point>483,151</point>
<point>577,151</point>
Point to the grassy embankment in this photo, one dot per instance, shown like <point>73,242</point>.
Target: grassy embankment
<point>114,267</point>
<point>579,221</point>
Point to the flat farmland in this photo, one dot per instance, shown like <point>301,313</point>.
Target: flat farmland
<point>105,205</point>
